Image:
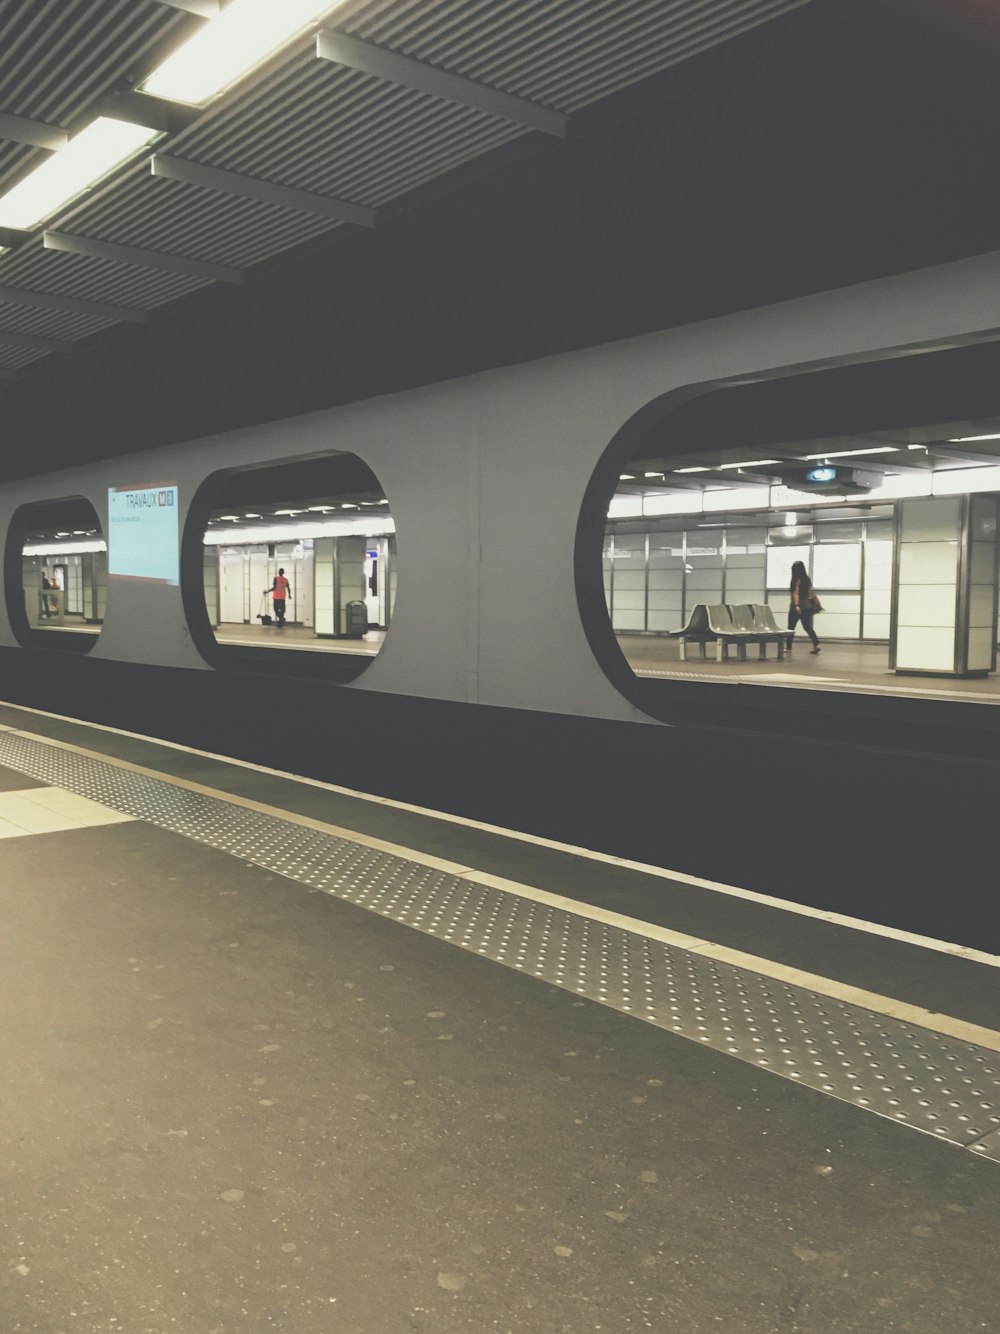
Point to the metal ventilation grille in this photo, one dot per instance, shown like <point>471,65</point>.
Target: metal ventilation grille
<point>101,280</point>
<point>356,138</point>
<point>47,323</point>
<point>221,229</point>
<point>304,123</point>
<point>562,53</point>
<point>12,358</point>
<point>58,57</point>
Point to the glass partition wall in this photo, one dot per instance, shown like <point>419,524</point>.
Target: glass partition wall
<point>883,607</point>
<point>655,576</point>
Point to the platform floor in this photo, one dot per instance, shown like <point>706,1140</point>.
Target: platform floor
<point>860,668</point>
<point>259,636</point>
<point>281,1057</point>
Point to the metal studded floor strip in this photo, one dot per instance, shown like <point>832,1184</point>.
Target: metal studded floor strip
<point>937,1084</point>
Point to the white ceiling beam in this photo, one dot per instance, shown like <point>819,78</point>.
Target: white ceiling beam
<point>71,305</point>
<point>33,343</point>
<point>206,9</point>
<point>382,64</point>
<point>248,187</point>
<point>148,259</point>
<point>35,132</point>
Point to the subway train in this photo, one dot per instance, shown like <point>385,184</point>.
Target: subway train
<point>477,522</point>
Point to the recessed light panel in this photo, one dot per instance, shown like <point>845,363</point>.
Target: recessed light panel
<point>88,157</point>
<point>225,49</point>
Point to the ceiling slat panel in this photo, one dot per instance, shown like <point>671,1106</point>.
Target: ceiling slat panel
<point>304,123</point>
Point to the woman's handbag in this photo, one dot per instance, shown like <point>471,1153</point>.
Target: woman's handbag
<point>814,603</point>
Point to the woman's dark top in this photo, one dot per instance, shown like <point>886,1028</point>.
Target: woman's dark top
<point>800,592</point>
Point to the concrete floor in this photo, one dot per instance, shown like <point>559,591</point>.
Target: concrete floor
<point>297,636</point>
<point>838,666</point>
<point>234,1105</point>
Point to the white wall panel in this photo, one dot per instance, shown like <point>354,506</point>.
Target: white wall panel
<point>837,565</point>
<point>931,520</point>
<point>779,564</point>
<point>838,625</point>
<point>980,649</point>
<point>876,627</point>
<point>922,649</point>
<point>928,563</point>
<point>927,604</point>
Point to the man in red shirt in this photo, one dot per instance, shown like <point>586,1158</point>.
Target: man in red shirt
<point>280,590</point>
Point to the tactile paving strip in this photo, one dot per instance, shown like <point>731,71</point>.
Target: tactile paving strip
<point>912,1075</point>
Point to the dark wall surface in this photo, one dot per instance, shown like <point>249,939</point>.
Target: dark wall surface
<point>869,830</point>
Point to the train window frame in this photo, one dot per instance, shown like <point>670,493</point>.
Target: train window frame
<point>49,640</point>
<point>714,705</point>
<point>335,667</point>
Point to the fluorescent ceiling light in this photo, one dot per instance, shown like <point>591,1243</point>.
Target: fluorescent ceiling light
<point>88,157</point>
<point>627,477</point>
<point>370,525</point>
<point>970,439</point>
<point>221,52</point>
<point>652,474</point>
<point>845,453</point>
<point>692,470</point>
<point>754,463</point>
<point>42,548</point>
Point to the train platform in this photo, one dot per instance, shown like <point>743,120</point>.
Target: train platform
<point>282,1056</point>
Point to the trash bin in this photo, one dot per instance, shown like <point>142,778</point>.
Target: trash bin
<point>357,619</point>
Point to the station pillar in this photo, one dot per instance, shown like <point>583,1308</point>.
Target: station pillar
<point>944,596</point>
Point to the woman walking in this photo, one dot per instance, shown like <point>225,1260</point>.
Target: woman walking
<point>804,605</point>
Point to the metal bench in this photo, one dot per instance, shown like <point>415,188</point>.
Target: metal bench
<point>696,631</point>
<point>726,632</point>
<point>764,617</point>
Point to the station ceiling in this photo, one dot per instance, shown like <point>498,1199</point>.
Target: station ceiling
<point>718,154</point>
<point>371,100</point>
<point>905,449</point>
